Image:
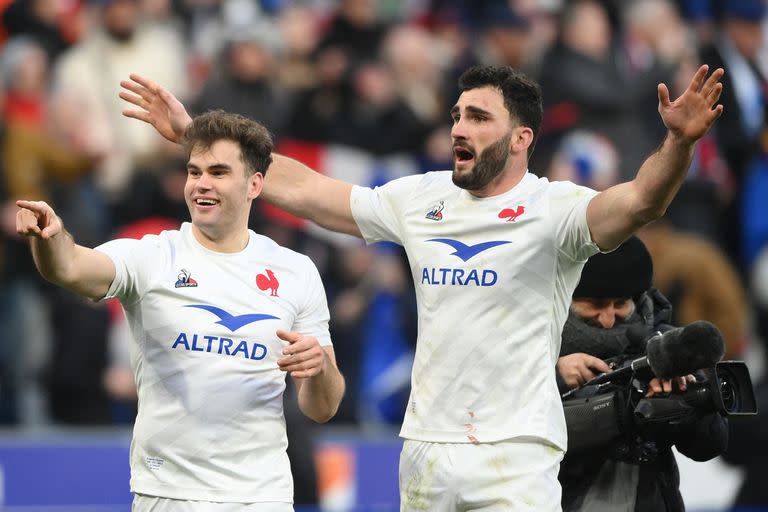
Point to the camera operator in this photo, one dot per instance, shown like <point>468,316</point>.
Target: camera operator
<point>636,472</point>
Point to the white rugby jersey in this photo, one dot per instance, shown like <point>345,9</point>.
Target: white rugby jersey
<point>210,422</point>
<point>494,278</point>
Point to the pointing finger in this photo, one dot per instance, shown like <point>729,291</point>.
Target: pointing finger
<point>37,207</point>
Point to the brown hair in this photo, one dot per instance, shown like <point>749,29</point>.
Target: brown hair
<point>253,138</point>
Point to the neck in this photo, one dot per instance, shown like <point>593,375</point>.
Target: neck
<point>234,241</point>
<point>504,182</point>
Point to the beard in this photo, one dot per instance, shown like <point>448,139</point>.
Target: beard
<point>490,163</point>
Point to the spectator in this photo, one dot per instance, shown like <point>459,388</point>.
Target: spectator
<point>245,82</point>
<point>115,46</point>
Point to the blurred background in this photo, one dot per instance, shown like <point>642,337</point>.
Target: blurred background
<point>358,89</point>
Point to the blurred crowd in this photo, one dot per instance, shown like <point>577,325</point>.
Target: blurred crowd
<point>359,89</point>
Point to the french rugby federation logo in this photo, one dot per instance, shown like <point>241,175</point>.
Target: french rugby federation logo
<point>269,282</point>
<point>436,212</point>
<point>511,215</point>
<point>184,279</point>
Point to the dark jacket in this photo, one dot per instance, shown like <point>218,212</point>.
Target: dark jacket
<point>634,473</point>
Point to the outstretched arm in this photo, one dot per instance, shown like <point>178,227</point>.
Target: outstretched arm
<point>85,271</point>
<point>614,214</point>
<point>289,184</point>
<point>301,191</point>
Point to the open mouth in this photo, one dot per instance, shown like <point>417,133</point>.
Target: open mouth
<point>462,154</point>
<point>206,202</point>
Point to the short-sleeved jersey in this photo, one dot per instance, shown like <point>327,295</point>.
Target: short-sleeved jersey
<point>494,278</point>
<point>210,422</point>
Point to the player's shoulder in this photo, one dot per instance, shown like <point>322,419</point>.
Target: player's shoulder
<point>409,189</point>
<point>268,249</point>
<point>132,238</point>
<point>558,188</point>
<point>436,178</point>
<point>168,236</point>
<point>416,181</point>
<point>168,239</point>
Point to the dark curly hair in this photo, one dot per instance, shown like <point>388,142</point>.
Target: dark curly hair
<point>522,96</point>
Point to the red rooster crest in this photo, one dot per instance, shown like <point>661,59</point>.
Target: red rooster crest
<point>510,214</point>
<point>268,282</point>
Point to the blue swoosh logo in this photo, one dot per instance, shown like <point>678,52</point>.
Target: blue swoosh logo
<point>232,322</point>
<point>466,252</point>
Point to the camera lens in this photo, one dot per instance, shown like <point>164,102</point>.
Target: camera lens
<point>730,397</point>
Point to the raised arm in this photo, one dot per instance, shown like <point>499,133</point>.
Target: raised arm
<point>301,191</point>
<point>158,107</point>
<point>85,271</point>
<point>614,214</point>
<point>289,185</point>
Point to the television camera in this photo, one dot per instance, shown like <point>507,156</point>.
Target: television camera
<point>612,409</point>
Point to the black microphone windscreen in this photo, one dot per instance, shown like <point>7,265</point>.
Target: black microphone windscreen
<point>684,350</point>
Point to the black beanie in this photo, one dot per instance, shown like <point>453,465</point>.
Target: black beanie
<point>625,272</point>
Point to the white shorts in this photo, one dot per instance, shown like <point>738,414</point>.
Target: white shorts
<point>144,503</point>
<point>514,475</point>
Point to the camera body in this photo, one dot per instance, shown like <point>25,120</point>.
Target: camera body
<point>614,411</point>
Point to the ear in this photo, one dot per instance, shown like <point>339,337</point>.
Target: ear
<point>522,137</point>
<point>255,185</point>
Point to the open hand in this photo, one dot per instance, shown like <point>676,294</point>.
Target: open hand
<point>158,107</point>
<point>37,219</point>
<point>303,357</point>
<point>692,114</point>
